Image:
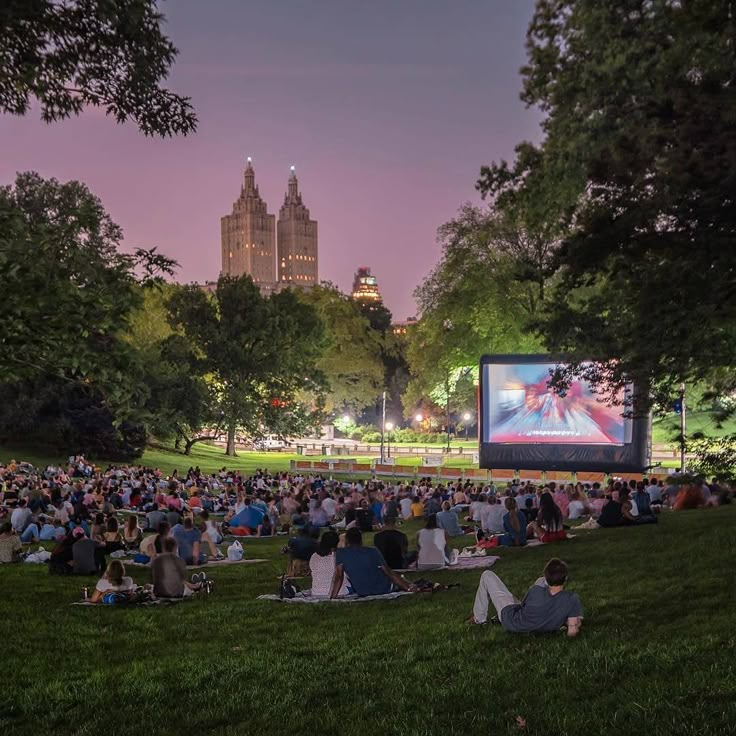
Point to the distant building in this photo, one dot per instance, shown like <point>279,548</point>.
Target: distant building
<point>365,287</point>
<point>297,240</point>
<point>400,328</point>
<point>248,239</point>
<point>248,236</point>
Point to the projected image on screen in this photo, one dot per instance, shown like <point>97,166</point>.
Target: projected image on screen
<point>523,409</point>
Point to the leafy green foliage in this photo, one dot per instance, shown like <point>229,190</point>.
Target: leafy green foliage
<point>714,457</point>
<point>351,360</point>
<point>68,290</point>
<point>636,176</point>
<point>260,354</point>
<point>477,300</point>
<point>106,53</point>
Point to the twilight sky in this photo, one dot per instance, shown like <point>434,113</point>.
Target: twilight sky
<point>386,108</point>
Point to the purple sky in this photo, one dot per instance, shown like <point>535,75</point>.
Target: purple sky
<point>387,109</point>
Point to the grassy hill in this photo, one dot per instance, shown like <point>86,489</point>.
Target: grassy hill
<point>655,655</point>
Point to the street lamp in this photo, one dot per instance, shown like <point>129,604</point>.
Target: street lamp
<point>419,418</point>
<point>389,427</point>
<point>466,419</point>
<point>346,418</point>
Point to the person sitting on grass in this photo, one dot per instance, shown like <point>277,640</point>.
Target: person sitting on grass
<point>132,533</point>
<point>10,546</point>
<point>548,525</point>
<point>416,508</point>
<point>113,581</point>
<point>448,521</point>
<point>169,573</point>
<point>617,511</point>
<point>188,540</point>
<point>365,567</point>
<point>514,524</point>
<point>300,549</point>
<point>394,545</point>
<point>322,567</point>
<point>546,607</point>
<point>111,538</point>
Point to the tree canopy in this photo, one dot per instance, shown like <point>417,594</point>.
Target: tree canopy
<point>105,53</point>
<point>636,175</point>
<point>351,361</point>
<point>260,355</point>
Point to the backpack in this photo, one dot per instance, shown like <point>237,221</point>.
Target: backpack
<point>288,588</point>
<point>235,551</point>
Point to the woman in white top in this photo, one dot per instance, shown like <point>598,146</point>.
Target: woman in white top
<point>322,567</point>
<point>113,581</point>
<point>432,545</point>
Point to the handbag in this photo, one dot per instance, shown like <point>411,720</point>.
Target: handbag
<point>288,588</point>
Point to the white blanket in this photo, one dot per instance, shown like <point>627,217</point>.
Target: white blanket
<point>306,597</point>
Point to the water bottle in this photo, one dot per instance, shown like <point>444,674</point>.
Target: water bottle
<point>85,593</point>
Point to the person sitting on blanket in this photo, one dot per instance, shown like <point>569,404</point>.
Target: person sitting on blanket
<point>365,567</point>
<point>548,525</point>
<point>547,606</point>
<point>394,545</point>
<point>169,573</point>
<point>113,581</point>
<point>322,567</point>
<point>432,546</point>
<point>514,524</point>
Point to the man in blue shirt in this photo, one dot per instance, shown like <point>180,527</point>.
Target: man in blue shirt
<point>187,541</point>
<point>447,520</point>
<point>366,569</point>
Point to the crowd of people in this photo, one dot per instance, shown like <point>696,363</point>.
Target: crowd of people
<point>175,521</point>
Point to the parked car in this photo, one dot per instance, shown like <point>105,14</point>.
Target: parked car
<point>270,442</point>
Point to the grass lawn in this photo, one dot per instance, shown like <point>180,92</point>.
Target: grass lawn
<point>665,430</point>
<point>655,655</point>
<point>208,457</point>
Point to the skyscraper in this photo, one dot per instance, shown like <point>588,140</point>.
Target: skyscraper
<point>248,236</point>
<point>297,240</point>
<point>365,287</point>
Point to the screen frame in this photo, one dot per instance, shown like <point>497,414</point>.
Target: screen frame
<point>631,457</point>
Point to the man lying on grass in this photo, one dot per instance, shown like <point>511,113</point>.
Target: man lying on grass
<point>366,569</point>
<point>547,606</point>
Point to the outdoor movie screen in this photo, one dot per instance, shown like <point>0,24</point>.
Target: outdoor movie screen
<point>525,424</point>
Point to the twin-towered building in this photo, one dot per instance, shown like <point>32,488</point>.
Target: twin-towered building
<point>274,254</point>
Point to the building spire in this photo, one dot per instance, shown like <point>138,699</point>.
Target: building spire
<point>249,177</point>
<point>292,192</point>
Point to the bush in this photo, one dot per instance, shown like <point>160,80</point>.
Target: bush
<point>371,437</point>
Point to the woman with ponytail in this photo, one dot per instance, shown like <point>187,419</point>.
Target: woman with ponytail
<point>514,524</point>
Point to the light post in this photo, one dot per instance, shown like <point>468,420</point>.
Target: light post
<point>466,419</point>
<point>389,427</point>
<point>383,425</point>
<point>683,427</point>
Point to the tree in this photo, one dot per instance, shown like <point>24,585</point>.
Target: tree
<point>68,291</point>
<point>260,354</point>
<point>478,299</point>
<point>106,53</point>
<point>637,174</point>
<point>351,361</point>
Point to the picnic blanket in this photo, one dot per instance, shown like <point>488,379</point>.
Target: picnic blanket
<point>211,563</point>
<point>463,563</point>
<point>252,537</point>
<point>306,597</point>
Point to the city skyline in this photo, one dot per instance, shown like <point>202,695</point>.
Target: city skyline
<point>388,112</point>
